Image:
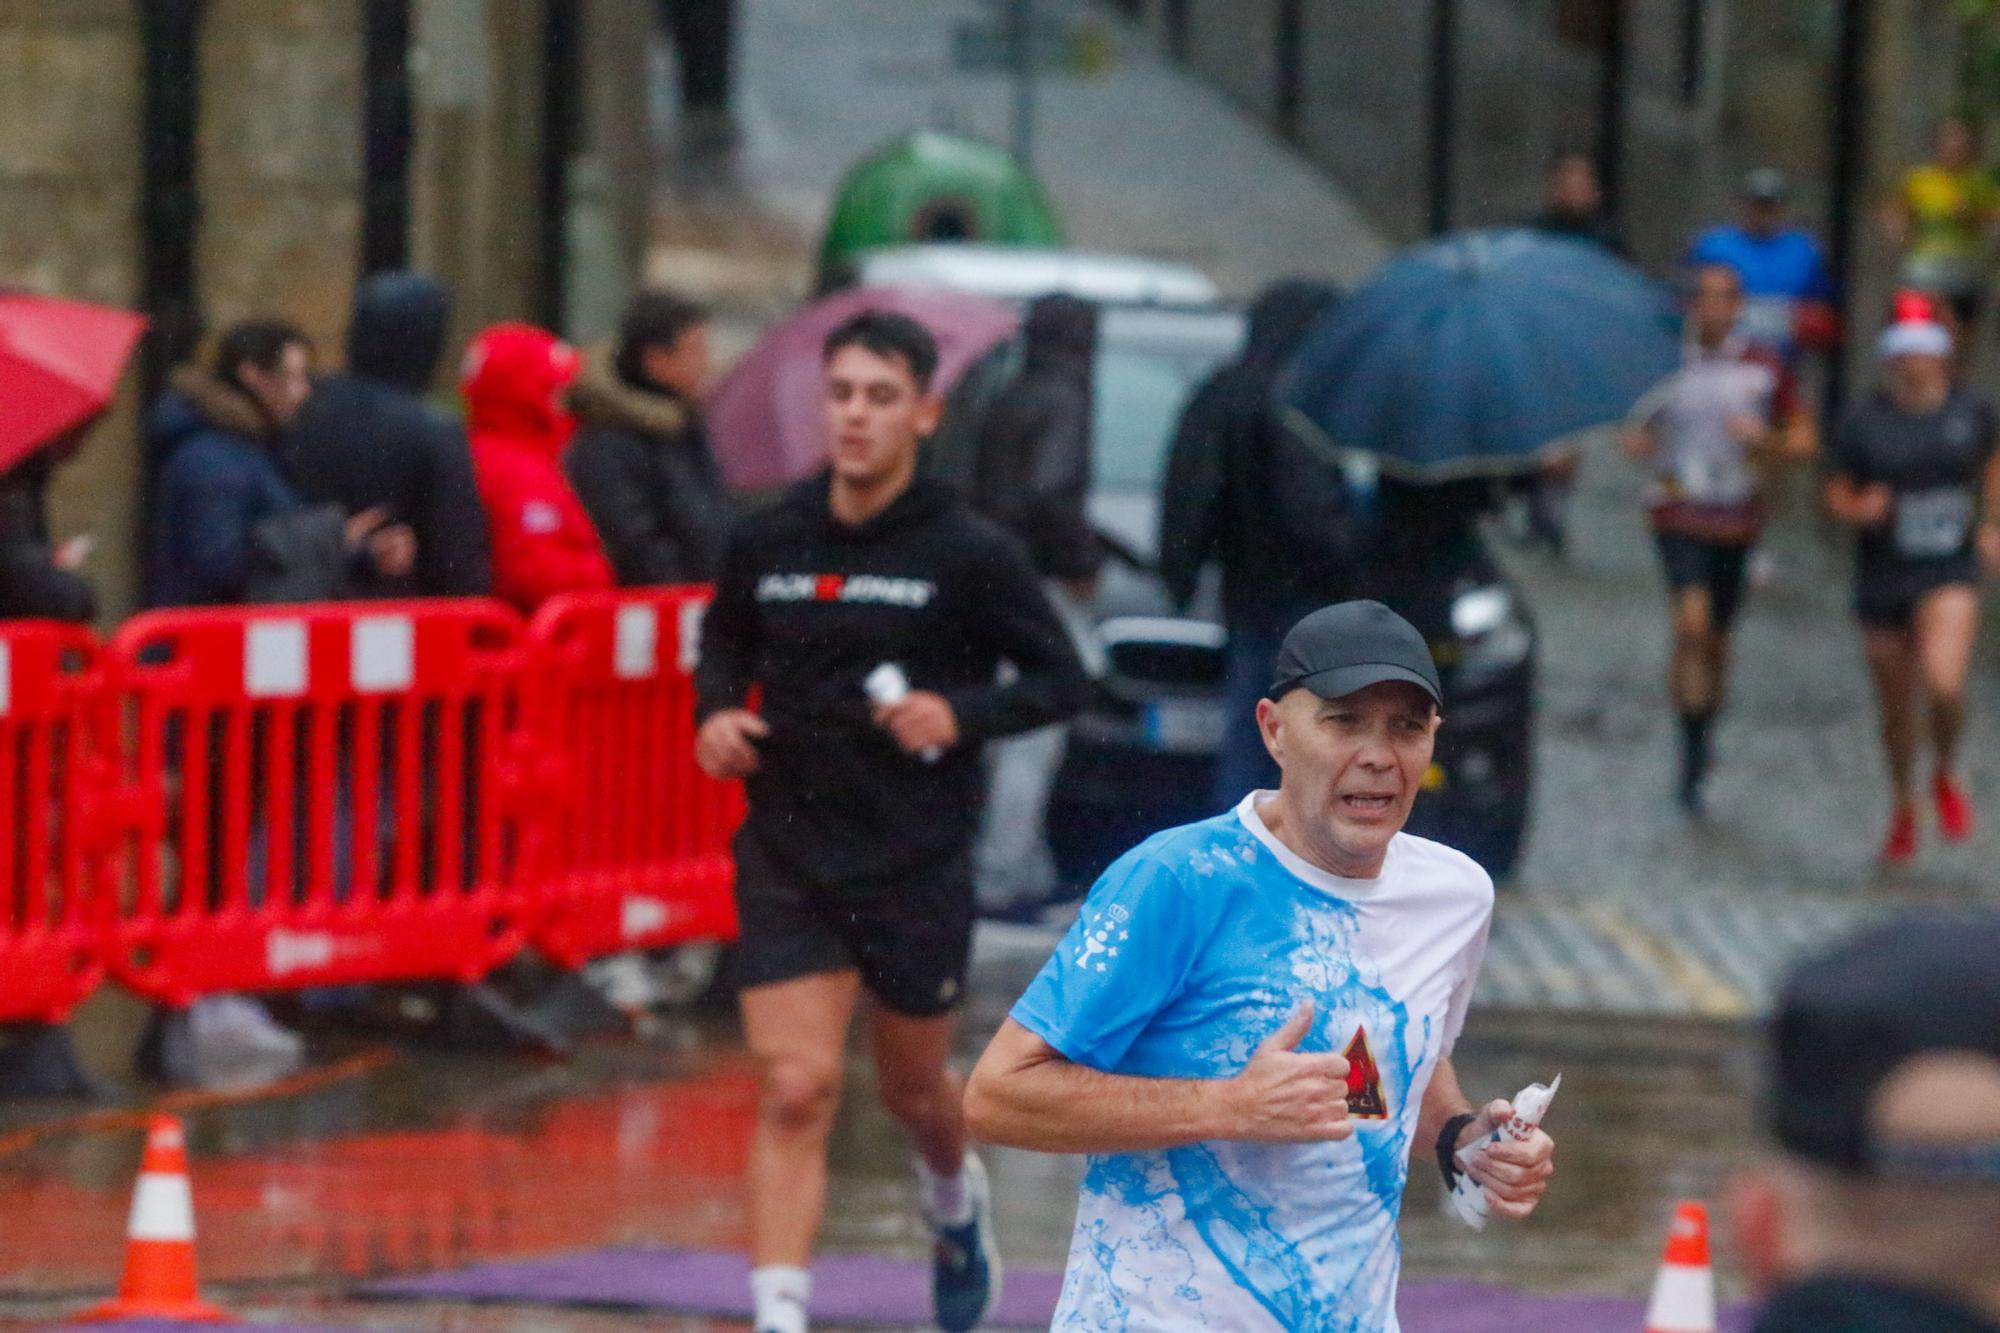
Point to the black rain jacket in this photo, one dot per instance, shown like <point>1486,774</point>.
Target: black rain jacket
<point>642,466</point>
<point>1244,490</point>
<point>367,438</point>
<point>31,587</point>
<point>1031,463</point>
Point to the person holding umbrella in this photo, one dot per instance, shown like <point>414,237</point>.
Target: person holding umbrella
<point>60,363</point>
<point>1710,434</point>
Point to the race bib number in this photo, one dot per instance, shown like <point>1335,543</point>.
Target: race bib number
<point>1933,523</point>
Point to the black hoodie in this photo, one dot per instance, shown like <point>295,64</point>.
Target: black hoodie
<point>807,606</point>
<point>1031,468</point>
<point>368,438</point>
<point>1238,491</point>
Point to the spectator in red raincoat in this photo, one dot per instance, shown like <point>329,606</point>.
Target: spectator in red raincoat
<point>542,541</point>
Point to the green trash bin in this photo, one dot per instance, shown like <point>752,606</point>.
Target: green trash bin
<point>934,186</point>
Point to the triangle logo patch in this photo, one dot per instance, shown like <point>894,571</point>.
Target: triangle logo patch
<point>1364,1080</point>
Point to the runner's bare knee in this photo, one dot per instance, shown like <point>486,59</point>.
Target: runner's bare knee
<point>799,1093</point>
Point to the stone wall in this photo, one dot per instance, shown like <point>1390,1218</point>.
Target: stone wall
<point>279,154</point>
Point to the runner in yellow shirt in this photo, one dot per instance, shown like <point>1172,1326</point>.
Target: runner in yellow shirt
<point>1943,220</point>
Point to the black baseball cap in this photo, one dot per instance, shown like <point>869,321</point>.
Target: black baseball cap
<point>1852,1016</point>
<point>1349,646</point>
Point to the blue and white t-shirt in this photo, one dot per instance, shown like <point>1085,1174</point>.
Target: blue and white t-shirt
<point>1191,950</point>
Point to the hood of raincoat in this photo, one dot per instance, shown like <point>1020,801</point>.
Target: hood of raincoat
<point>397,330</point>
<point>515,379</point>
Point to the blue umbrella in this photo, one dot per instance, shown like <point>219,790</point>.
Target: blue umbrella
<point>1472,355</point>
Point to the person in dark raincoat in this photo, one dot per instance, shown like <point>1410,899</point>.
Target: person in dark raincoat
<point>1244,491</point>
<point>38,580</point>
<point>641,462</point>
<point>366,439</point>
<point>1031,474</point>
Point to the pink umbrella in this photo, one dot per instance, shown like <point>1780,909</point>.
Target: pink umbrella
<point>765,418</point>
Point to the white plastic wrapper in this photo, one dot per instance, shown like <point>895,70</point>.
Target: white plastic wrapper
<point>888,685</point>
<point>1467,1198</point>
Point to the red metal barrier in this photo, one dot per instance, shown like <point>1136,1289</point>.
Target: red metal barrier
<point>320,795</point>
<point>57,771</point>
<point>635,853</point>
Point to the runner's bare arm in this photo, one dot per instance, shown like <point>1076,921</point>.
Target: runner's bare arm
<point>1989,517</point>
<point>1858,505</point>
<point>1025,1094</point>
<point>1515,1175</point>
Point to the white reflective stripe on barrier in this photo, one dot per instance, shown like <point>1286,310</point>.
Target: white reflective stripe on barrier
<point>639,915</point>
<point>636,653</point>
<point>274,659</point>
<point>6,678</point>
<point>691,615</point>
<point>382,655</point>
<point>162,1209</point>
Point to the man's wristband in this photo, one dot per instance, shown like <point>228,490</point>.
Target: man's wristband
<point>1447,1146</point>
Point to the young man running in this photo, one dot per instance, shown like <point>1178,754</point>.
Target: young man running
<point>854,866</point>
<point>1710,434</point>
<point>1915,473</point>
<point>1250,1026</point>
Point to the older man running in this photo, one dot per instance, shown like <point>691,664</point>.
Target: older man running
<point>1251,1023</point>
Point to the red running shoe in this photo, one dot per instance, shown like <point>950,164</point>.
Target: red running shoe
<point>1900,847</point>
<point>1953,810</point>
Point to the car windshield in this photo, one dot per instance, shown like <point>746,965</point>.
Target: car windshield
<point>1149,362</point>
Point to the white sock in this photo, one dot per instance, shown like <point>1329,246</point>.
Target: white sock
<point>778,1296</point>
<point>946,1200</point>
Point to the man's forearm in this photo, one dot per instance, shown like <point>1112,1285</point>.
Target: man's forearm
<point>1058,1107</point>
<point>1443,1099</point>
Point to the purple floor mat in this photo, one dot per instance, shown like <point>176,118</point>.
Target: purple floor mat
<point>865,1290</point>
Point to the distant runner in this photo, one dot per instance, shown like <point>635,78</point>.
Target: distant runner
<point>1914,471</point>
<point>1710,435</point>
<point>1249,1028</point>
<point>853,871</point>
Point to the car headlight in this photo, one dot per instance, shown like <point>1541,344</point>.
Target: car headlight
<point>1492,634</point>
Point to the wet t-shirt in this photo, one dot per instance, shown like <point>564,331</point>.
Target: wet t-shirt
<point>1190,951</point>
<point>1706,483</point>
<point>1934,464</point>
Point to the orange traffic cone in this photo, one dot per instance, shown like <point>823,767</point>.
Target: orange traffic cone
<point>1684,1293</point>
<point>159,1281</point>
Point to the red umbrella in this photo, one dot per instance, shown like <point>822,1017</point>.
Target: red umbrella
<point>59,367</point>
<point>765,419</point>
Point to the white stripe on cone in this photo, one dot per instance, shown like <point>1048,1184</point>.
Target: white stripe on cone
<point>162,1208</point>
<point>1683,1301</point>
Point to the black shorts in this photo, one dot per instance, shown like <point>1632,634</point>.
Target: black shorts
<point>910,938</point>
<point>1884,603</point>
<point>1720,567</point>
